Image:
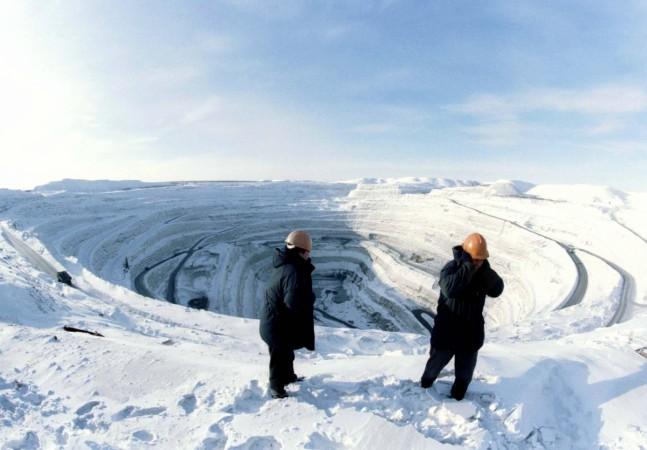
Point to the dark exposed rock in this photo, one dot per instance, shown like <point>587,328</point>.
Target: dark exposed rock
<point>64,277</point>
<point>79,330</point>
<point>199,303</point>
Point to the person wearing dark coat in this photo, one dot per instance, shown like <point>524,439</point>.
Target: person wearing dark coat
<point>287,315</point>
<point>459,326</point>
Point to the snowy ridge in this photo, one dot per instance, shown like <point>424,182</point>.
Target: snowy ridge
<point>600,196</point>
<point>407,185</point>
<point>508,188</point>
<point>167,376</point>
<point>378,255</point>
<point>173,377</point>
<point>375,265</point>
<point>93,186</point>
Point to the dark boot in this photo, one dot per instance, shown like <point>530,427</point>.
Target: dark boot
<point>458,389</point>
<point>294,379</point>
<point>426,382</point>
<point>278,392</point>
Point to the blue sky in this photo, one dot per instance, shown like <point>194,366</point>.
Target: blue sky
<point>548,92</point>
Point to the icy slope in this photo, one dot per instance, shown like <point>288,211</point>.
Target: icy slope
<point>569,266</point>
<point>553,374</point>
<point>165,376</point>
<point>379,250</point>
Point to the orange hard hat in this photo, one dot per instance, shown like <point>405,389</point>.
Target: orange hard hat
<point>475,246</point>
<point>299,239</point>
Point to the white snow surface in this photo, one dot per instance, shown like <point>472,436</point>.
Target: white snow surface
<point>93,186</point>
<point>564,364</point>
<point>507,188</point>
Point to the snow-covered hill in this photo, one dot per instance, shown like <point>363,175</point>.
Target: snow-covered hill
<point>553,373</point>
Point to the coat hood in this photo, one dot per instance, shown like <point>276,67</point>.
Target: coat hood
<point>284,256</point>
<point>459,254</point>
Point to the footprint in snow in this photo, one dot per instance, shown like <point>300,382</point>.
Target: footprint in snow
<point>259,443</point>
<point>485,399</point>
<point>29,441</point>
<point>217,427</point>
<point>402,402</point>
<point>133,411</point>
<point>91,445</point>
<point>217,439</point>
<point>144,436</point>
<point>249,400</point>
<point>86,417</point>
<point>21,393</point>
<point>213,443</point>
<point>317,441</point>
<point>85,409</point>
<point>188,403</point>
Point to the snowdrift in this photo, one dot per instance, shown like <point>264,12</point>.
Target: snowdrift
<point>167,376</point>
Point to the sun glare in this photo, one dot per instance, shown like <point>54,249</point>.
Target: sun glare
<point>41,105</point>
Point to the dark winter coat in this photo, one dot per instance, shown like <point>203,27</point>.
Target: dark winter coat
<point>287,316</point>
<point>459,324</point>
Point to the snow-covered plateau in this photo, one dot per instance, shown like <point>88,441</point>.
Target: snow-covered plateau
<point>171,276</point>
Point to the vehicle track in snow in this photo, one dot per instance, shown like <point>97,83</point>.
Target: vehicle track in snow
<point>333,318</point>
<point>628,285</point>
<point>581,282</point>
<point>420,314</point>
<point>391,283</point>
<point>141,288</point>
<point>172,281</point>
<point>30,255</point>
<point>626,277</point>
<point>140,284</point>
<point>630,230</point>
<point>337,246</point>
<point>582,279</point>
<point>627,292</point>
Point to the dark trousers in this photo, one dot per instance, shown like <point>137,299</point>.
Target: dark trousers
<point>281,367</point>
<point>464,365</point>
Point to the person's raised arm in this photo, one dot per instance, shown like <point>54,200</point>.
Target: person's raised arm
<point>456,276</point>
<point>495,284</point>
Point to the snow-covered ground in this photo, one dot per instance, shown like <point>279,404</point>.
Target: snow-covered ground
<point>562,366</point>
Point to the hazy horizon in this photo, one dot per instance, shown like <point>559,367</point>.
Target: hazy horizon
<point>251,89</point>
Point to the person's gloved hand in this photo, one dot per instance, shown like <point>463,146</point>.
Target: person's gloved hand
<point>466,260</point>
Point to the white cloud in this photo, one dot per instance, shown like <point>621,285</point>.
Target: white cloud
<point>54,125</point>
<point>498,133</point>
<point>610,99</point>
<point>600,100</point>
<point>202,110</point>
<point>508,119</point>
<point>621,148</point>
<point>607,126</point>
<point>42,106</point>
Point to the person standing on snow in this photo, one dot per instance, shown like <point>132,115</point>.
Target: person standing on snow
<point>287,316</point>
<point>459,326</point>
